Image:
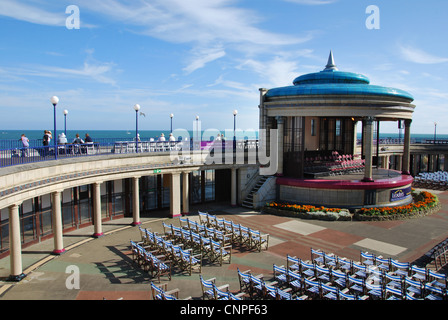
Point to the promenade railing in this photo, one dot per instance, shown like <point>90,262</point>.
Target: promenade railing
<point>35,153</point>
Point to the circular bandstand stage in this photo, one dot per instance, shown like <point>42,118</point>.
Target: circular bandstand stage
<point>389,188</point>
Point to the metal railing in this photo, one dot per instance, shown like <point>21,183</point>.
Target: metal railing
<point>21,155</point>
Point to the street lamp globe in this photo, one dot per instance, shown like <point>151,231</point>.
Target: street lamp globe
<point>137,107</point>
<point>235,112</point>
<point>54,100</point>
<point>65,112</point>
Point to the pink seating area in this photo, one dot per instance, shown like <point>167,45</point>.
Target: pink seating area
<point>334,164</point>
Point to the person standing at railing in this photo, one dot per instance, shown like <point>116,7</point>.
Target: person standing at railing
<point>25,145</point>
<point>162,137</point>
<point>46,142</point>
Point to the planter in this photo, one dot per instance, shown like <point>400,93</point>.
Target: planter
<point>343,215</point>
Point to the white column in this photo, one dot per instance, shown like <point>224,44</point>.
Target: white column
<point>185,193</point>
<point>280,134</point>
<point>57,223</point>
<point>407,147</point>
<point>136,201</point>
<point>175,210</point>
<point>233,188</point>
<point>368,149</point>
<point>15,246</point>
<point>98,232</point>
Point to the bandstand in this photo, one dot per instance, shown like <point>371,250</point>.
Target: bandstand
<point>316,120</point>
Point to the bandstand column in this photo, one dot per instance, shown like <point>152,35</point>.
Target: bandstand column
<point>98,232</point>
<point>233,187</point>
<point>175,209</point>
<point>407,147</point>
<point>185,193</point>
<point>57,223</point>
<point>280,134</point>
<point>15,246</point>
<point>136,201</point>
<point>368,149</point>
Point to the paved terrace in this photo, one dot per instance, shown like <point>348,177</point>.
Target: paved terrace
<point>107,270</point>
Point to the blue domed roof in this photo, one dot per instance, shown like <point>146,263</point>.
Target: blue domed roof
<point>331,81</point>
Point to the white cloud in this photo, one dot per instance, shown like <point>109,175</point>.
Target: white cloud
<point>312,2</point>
<point>417,55</point>
<point>97,72</point>
<point>31,13</point>
<point>37,12</point>
<point>203,56</point>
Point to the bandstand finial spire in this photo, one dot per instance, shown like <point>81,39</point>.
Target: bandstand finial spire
<point>330,64</point>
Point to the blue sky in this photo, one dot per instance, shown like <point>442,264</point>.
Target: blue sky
<point>207,58</point>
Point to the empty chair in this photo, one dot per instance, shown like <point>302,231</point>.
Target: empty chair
<point>414,287</point>
<point>295,281</point>
<point>207,288</point>
<point>375,290</point>
<point>317,256</point>
<point>329,292</point>
<point>367,258</point>
<point>244,279</point>
<point>313,287</point>
<point>393,293</point>
<point>383,263</point>
<point>400,268</point>
<point>418,273</point>
<point>437,279</point>
<point>280,274</point>
<point>357,285</point>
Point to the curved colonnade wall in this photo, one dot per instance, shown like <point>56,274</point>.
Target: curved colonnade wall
<point>28,181</point>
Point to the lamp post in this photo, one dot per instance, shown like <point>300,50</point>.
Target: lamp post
<point>235,112</point>
<point>171,117</point>
<point>435,129</point>
<point>54,101</point>
<point>197,131</point>
<point>65,121</point>
<point>136,108</point>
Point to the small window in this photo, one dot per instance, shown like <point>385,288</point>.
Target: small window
<point>313,127</point>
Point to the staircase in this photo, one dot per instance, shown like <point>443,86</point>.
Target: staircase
<point>249,201</point>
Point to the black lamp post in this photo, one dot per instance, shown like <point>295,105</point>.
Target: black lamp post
<point>235,112</point>
<point>136,108</point>
<point>65,121</point>
<point>54,101</point>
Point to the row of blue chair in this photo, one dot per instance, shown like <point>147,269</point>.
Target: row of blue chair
<point>160,292</point>
<point>203,244</point>
<point>241,235</point>
<point>255,287</point>
<point>155,265</point>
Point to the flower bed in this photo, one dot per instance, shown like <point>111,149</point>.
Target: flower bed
<point>424,203</point>
<point>307,211</point>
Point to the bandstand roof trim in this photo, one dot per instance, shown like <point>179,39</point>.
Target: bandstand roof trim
<point>331,81</point>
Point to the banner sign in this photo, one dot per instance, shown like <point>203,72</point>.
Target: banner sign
<point>400,194</point>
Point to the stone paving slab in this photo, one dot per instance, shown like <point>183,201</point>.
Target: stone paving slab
<point>107,270</point>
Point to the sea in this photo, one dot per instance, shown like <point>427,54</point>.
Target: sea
<point>7,137</point>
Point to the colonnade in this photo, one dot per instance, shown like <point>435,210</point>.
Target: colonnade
<point>368,129</point>
<point>179,205</point>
